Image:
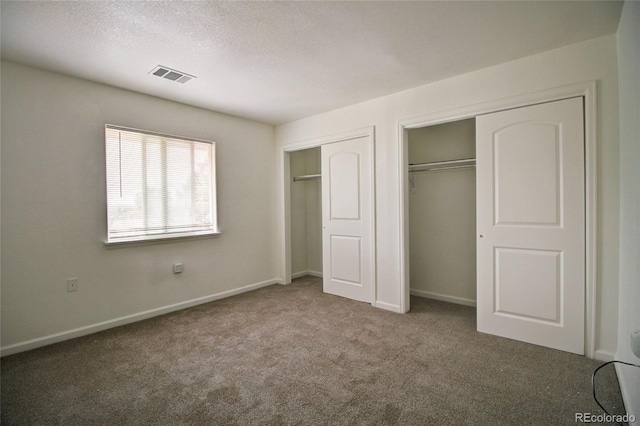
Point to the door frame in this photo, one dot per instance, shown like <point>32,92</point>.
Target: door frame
<point>587,90</point>
<point>285,185</point>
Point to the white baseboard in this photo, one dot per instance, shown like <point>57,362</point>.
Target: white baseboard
<point>443,297</point>
<point>94,328</point>
<point>603,356</point>
<point>305,273</point>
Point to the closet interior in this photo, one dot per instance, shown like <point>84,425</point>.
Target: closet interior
<point>306,213</point>
<point>442,212</point>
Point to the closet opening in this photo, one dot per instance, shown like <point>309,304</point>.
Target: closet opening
<point>535,216</point>
<point>306,212</point>
<point>329,222</point>
<point>442,211</point>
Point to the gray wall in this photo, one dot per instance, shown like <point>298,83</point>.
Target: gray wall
<point>54,210</point>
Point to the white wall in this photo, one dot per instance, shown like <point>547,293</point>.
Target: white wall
<point>442,214</point>
<point>629,310</point>
<point>591,60</point>
<point>54,210</point>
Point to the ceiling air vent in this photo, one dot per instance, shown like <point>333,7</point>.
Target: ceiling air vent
<point>170,74</point>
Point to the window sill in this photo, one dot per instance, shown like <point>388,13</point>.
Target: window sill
<point>161,239</point>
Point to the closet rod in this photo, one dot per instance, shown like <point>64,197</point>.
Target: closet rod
<point>442,165</point>
<point>443,168</point>
<point>306,177</point>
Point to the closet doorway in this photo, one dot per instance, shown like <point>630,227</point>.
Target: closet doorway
<point>442,211</point>
<point>535,215</point>
<point>306,213</point>
<point>332,179</point>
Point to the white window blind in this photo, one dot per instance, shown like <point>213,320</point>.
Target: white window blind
<point>158,186</point>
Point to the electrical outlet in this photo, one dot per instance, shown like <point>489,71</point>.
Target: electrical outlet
<point>635,342</point>
<point>177,268</point>
<point>72,284</point>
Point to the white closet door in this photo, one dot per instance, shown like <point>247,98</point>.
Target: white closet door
<point>347,218</point>
<point>531,224</point>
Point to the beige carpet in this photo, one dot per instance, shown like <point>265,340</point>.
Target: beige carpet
<point>293,355</point>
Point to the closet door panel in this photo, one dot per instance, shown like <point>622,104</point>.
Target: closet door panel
<point>528,284</point>
<point>347,219</point>
<point>344,194</point>
<point>527,174</point>
<point>531,224</point>
<point>345,259</point>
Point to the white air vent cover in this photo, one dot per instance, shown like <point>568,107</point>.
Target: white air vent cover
<point>171,74</point>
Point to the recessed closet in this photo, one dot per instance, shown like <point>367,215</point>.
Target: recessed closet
<point>331,226</point>
<point>306,213</point>
<point>526,197</point>
<point>442,211</point>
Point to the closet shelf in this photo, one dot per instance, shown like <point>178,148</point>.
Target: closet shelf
<point>443,165</point>
<point>306,177</point>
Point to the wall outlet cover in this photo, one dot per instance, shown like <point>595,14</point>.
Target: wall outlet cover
<point>72,284</point>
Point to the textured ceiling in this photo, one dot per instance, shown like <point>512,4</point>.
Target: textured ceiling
<point>279,61</point>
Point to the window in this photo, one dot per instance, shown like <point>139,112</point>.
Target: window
<point>158,186</point>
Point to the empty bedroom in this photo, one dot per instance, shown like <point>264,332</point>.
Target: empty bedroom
<point>351,212</point>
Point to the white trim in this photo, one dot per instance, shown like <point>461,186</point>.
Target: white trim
<point>587,90</point>
<point>403,215</point>
<point>604,356</point>
<point>286,149</point>
<point>338,137</point>
<point>387,307</point>
<point>372,229</point>
<point>527,99</point>
<point>286,218</point>
<point>591,216</point>
<point>159,134</point>
<point>443,297</point>
<point>128,319</point>
<point>162,238</point>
